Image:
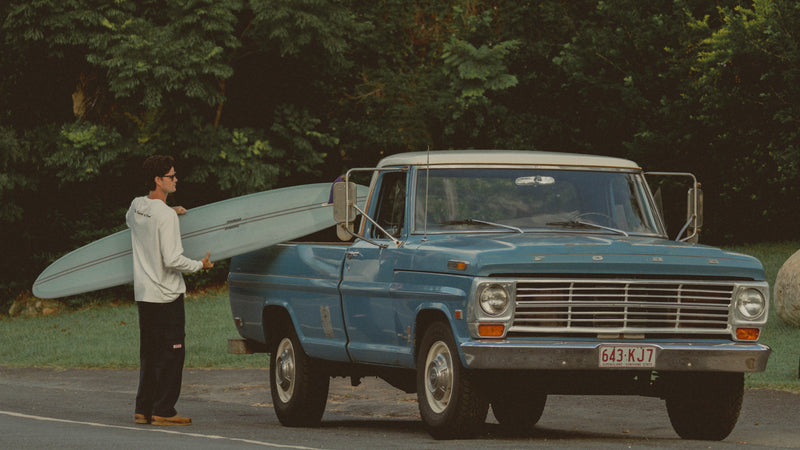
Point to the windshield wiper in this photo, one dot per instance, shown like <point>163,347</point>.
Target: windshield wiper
<point>481,222</point>
<point>584,224</point>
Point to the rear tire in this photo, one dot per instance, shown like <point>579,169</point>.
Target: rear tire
<point>704,405</point>
<point>450,403</point>
<point>299,389</point>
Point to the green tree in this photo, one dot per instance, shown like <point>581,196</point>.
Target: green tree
<point>748,87</point>
<point>426,76</point>
<point>256,94</point>
<point>622,77</point>
<point>97,86</point>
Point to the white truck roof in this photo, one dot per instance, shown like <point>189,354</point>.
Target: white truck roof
<point>505,157</point>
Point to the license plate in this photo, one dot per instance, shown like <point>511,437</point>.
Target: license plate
<point>626,356</point>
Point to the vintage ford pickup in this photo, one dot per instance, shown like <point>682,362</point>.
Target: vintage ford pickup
<point>495,278</point>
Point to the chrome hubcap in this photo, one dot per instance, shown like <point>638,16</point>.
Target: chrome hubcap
<point>439,379</point>
<point>285,370</point>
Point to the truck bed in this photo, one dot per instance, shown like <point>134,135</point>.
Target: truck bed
<point>302,278</point>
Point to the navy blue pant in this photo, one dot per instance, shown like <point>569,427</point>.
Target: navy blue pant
<point>161,355</point>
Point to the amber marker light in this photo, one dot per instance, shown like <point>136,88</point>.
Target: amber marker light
<point>457,265</point>
<point>747,334</point>
<point>491,330</point>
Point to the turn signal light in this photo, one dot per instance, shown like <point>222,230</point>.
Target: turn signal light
<point>491,330</point>
<point>747,334</point>
<point>457,265</point>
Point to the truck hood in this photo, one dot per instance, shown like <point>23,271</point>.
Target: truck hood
<point>584,254</point>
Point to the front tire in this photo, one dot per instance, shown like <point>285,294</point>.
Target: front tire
<point>704,405</point>
<point>450,403</point>
<point>519,411</point>
<point>299,389</point>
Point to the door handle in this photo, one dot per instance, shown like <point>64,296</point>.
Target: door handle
<point>350,254</point>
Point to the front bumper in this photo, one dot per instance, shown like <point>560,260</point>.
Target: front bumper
<point>566,355</point>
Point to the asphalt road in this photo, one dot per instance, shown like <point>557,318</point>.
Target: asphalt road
<point>87,409</point>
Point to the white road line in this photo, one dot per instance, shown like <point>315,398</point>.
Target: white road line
<point>155,430</point>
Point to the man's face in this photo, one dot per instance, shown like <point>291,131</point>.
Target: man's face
<point>169,182</point>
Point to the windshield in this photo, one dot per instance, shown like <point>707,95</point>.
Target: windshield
<point>510,200</point>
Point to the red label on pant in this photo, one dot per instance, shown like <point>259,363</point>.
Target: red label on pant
<point>175,346</point>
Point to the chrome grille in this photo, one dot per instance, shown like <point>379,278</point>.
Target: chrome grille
<point>621,306</point>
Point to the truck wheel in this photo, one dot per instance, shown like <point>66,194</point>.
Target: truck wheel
<point>519,413</point>
<point>299,390</point>
<point>449,400</point>
<point>704,405</point>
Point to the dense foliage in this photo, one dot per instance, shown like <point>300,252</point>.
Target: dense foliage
<point>256,94</point>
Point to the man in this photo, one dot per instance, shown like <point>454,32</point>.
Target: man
<point>158,264</point>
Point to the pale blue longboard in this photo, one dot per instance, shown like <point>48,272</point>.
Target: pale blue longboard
<point>227,228</point>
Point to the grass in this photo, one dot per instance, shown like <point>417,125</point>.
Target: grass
<point>107,336</point>
<point>782,369</point>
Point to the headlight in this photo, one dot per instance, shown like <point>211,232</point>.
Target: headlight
<point>494,299</point>
<point>750,303</point>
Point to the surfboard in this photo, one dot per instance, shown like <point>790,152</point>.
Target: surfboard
<point>226,228</point>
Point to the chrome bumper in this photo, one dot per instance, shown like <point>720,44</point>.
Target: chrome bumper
<point>564,355</point>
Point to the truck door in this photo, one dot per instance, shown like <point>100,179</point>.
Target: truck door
<point>377,331</point>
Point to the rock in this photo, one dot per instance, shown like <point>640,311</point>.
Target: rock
<point>27,305</point>
<point>787,291</point>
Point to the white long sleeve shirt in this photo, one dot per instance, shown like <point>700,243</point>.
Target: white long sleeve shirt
<point>158,261</point>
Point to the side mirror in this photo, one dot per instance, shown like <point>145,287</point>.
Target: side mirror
<point>694,205</point>
<point>658,197</point>
<point>694,213</point>
<point>344,210</point>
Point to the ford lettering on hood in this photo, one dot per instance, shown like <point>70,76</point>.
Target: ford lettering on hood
<point>541,253</point>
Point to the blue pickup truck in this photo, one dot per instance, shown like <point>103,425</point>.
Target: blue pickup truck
<point>483,279</point>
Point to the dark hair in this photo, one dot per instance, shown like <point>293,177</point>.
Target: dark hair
<point>156,166</point>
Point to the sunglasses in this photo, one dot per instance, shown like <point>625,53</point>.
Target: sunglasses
<point>172,177</point>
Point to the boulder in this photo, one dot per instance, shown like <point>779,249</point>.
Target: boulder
<point>27,305</point>
<point>787,291</point>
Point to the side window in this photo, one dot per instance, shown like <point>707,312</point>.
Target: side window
<point>391,205</point>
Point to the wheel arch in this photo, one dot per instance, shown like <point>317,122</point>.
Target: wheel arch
<point>275,318</point>
<point>424,319</point>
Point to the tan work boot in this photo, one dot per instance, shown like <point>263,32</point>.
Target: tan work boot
<point>174,420</point>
